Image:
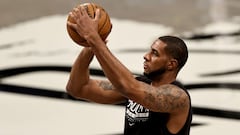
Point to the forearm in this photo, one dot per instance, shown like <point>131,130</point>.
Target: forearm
<point>79,75</point>
<point>114,70</point>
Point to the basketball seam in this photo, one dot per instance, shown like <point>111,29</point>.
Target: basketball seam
<point>105,21</point>
<point>104,35</point>
<point>93,8</point>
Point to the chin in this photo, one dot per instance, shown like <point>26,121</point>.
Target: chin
<point>154,74</point>
<point>145,74</point>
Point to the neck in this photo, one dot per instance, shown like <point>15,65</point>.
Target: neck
<point>163,79</point>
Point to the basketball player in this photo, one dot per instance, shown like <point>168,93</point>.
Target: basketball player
<point>155,103</point>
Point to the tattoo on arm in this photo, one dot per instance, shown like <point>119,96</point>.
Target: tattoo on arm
<point>166,98</point>
<point>106,85</point>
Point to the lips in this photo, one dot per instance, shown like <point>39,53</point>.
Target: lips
<point>145,66</point>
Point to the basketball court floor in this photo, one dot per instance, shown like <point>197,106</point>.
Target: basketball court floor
<point>36,55</point>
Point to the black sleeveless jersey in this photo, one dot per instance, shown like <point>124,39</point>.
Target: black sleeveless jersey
<point>142,121</point>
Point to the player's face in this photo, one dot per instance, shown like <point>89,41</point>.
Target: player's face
<point>155,61</point>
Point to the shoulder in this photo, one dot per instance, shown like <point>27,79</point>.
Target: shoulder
<point>174,96</point>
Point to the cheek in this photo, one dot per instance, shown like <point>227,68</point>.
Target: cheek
<point>158,64</point>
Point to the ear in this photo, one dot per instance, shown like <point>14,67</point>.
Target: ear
<point>172,64</point>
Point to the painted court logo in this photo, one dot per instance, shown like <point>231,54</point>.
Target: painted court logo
<point>136,113</point>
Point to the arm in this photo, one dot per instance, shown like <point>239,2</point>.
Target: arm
<point>168,98</point>
<point>79,75</point>
<point>88,28</point>
<point>81,86</point>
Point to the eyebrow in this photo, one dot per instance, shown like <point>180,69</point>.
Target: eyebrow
<point>152,48</point>
<point>155,50</point>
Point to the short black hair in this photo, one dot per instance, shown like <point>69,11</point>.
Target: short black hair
<point>176,48</point>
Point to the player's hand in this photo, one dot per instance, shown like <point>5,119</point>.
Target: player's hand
<point>85,25</point>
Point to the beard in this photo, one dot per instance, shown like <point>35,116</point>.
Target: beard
<point>155,74</point>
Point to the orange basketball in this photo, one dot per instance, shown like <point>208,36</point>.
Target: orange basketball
<point>104,25</point>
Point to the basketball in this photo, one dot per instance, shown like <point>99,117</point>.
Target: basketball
<point>104,24</point>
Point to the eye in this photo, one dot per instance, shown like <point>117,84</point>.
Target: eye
<point>155,53</point>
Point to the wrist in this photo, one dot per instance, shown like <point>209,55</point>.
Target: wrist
<point>88,50</point>
<point>94,39</point>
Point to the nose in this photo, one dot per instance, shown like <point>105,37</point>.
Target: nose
<point>146,57</point>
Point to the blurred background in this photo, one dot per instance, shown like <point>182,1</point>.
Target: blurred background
<point>36,55</point>
<point>183,15</point>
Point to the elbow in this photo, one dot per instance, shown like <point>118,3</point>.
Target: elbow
<point>68,89</point>
<point>128,89</point>
<point>71,90</point>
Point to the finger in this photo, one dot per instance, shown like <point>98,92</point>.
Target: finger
<point>77,9</point>
<point>98,14</point>
<point>78,6</point>
<point>73,14</point>
<point>72,25</point>
<point>76,12</point>
<point>83,10</point>
<point>70,14</point>
<point>72,17</point>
